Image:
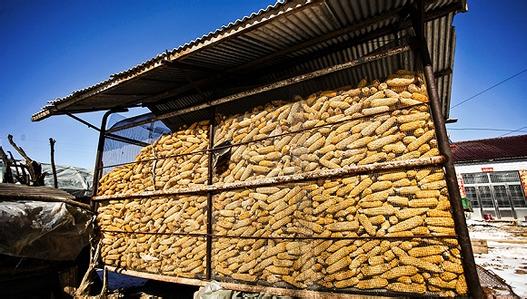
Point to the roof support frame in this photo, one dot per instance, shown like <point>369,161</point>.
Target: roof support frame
<point>268,87</point>
<point>108,134</point>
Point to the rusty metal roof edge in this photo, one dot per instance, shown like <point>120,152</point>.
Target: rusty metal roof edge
<point>263,16</point>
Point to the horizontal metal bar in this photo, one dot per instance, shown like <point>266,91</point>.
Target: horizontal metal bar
<point>126,140</point>
<point>203,152</point>
<point>295,178</point>
<point>153,233</point>
<point>290,81</point>
<point>286,238</point>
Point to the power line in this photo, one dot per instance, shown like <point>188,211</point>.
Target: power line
<point>513,131</point>
<point>489,88</point>
<point>484,129</point>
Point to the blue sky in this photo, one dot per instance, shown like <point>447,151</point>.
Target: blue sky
<point>50,48</point>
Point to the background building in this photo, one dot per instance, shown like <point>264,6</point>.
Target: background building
<point>493,175</point>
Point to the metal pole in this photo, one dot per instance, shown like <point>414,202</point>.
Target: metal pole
<point>97,171</point>
<point>209,194</point>
<point>469,265</point>
<point>53,167</point>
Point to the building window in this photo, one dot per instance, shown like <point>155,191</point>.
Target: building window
<point>472,196</point>
<point>485,196</point>
<point>518,199</point>
<point>475,178</point>
<point>494,192</point>
<point>504,176</point>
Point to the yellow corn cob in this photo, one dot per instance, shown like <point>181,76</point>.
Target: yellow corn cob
<point>406,288</point>
<point>439,230</point>
<point>413,117</point>
<point>448,276</point>
<point>412,261</point>
<point>376,220</point>
<point>385,211</point>
<point>408,190</point>
<point>438,213</point>
<point>420,97</point>
<point>421,140</point>
<point>380,142</point>
<point>374,283</point>
<point>452,267</point>
<point>427,193</point>
<point>434,185</point>
<point>361,142</point>
<point>398,200</point>
<point>311,225</point>
<point>329,164</point>
<point>244,276</point>
<point>384,102</point>
<point>387,124</point>
<point>399,271</point>
<point>324,205</point>
<point>423,203</point>
<point>381,195</point>
<point>427,250</point>
<point>375,110</point>
<point>410,126</point>
<point>392,176</point>
<point>278,270</point>
<point>347,282</point>
<point>360,187</point>
<point>337,255</point>
<point>381,185</point>
<point>374,270</point>
<point>339,265</point>
<point>420,230</point>
<point>368,130</point>
<point>376,260</point>
<point>406,225</point>
<point>440,221</point>
<point>410,212</point>
<point>343,226</point>
<point>438,282</point>
<point>461,285</point>
<point>366,224</point>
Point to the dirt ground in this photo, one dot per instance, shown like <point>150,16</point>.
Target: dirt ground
<point>507,251</point>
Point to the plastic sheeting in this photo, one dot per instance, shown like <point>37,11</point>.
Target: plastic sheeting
<point>43,230</point>
<point>74,180</point>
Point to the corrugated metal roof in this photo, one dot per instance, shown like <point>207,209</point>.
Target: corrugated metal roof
<point>505,148</point>
<point>280,41</point>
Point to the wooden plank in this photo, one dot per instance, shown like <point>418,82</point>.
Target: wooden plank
<point>242,287</point>
<point>479,246</point>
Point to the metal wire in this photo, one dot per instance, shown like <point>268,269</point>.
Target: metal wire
<point>214,236</point>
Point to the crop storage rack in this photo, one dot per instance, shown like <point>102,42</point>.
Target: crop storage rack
<point>288,49</point>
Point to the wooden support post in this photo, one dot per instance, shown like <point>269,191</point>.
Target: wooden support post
<point>53,168</point>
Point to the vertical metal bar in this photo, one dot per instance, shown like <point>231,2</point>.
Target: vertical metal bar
<point>209,194</point>
<point>97,171</point>
<point>509,196</point>
<point>478,198</point>
<point>469,265</point>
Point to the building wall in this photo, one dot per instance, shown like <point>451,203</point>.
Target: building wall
<point>493,166</point>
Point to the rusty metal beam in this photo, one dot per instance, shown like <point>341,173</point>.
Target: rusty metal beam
<point>294,178</point>
<point>469,265</point>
